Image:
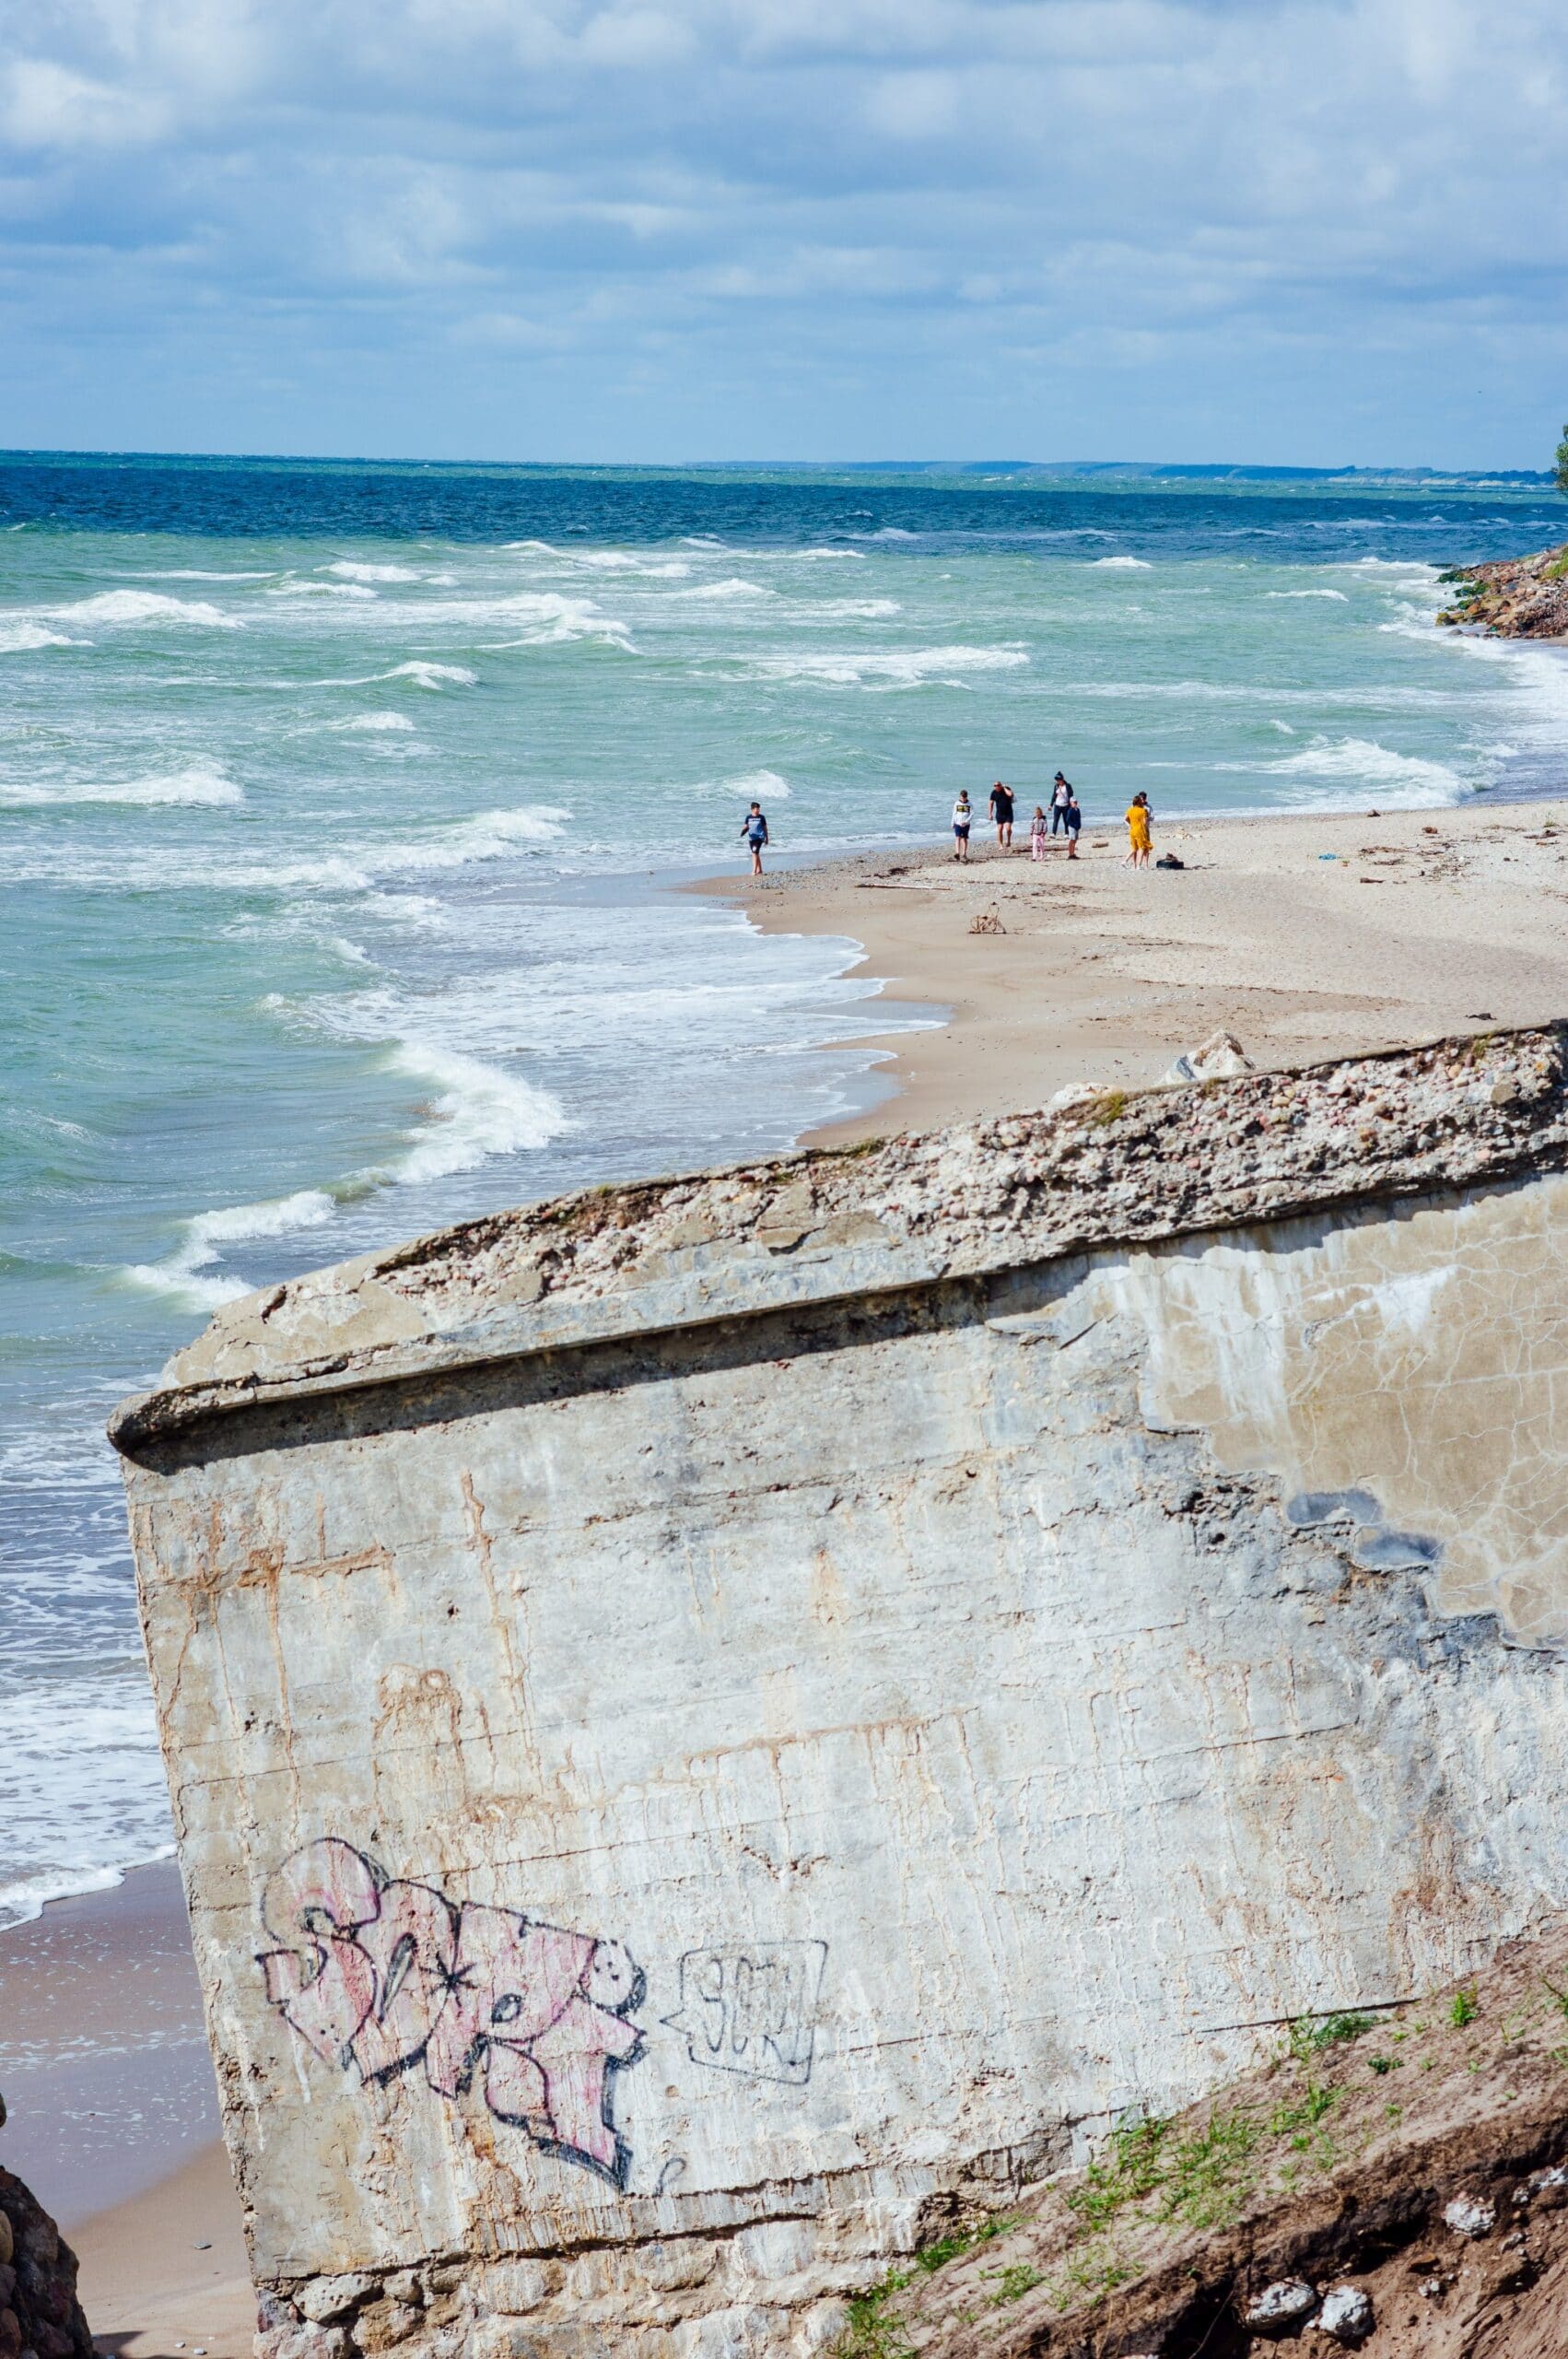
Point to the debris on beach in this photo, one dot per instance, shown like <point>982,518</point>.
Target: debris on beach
<point>987,922</point>
<point>1220,1057</point>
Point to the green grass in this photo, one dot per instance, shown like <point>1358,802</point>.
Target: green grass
<point>931,2257</point>
<point>1463,2010</point>
<point>872,2330</point>
<point>1209,2174</point>
<point>1289,2120</point>
<point>1131,2168</point>
<point>1018,2279</point>
<point>1200,2180</point>
<point>1310,2035</point>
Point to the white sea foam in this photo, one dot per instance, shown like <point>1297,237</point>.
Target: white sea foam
<point>616,561</point>
<point>186,1275</point>
<point>18,638</point>
<point>107,1802</point>
<point>908,667</point>
<point>1405,778</point>
<point>733,588</point>
<point>423,674</point>
<point>348,569</point>
<point>858,554</point>
<point>1338,594</point>
<point>851,610</point>
<point>320,590</point>
<point>148,607</point>
<point>376,723</point>
<point>486,837</point>
<point>203,573</point>
<point>478,1112</point>
<point>202,783</point>
<point>1120,565</point>
<point>751,786</point>
<point>551,620</point>
<point>1415,568</point>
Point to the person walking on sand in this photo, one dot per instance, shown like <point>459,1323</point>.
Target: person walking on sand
<point>1037,835</point>
<point>1002,812</point>
<point>1074,820</point>
<point>1061,794</point>
<point>1139,819</point>
<point>963,819</point>
<point>754,827</point>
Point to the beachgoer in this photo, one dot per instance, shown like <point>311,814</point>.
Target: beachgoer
<point>1060,793</point>
<point>1037,835</point>
<point>962,818</point>
<point>1138,839</point>
<point>1074,819</point>
<point>754,827</point>
<point>1002,812</point>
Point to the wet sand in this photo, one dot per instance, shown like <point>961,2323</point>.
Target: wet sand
<point>1306,936</point>
<point>112,2117</point>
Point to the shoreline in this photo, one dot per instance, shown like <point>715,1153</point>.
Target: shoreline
<point>1308,935</point>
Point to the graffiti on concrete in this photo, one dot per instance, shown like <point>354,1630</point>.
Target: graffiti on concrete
<point>752,2010</point>
<point>379,1976</point>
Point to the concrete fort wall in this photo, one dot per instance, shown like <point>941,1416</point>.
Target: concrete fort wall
<point>712,1722</point>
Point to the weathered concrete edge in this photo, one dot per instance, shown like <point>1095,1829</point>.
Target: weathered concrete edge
<point>1468,1112</point>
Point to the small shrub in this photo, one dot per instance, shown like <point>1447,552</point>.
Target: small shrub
<point>1463,2010</point>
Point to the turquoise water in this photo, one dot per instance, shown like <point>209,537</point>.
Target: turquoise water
<point>335,807</point>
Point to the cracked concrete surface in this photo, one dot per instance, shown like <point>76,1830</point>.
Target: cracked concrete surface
<point>681,1762</point>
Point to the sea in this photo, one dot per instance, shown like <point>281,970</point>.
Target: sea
<point>341,810</point>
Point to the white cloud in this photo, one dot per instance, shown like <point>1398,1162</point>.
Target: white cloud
<point>773,194</point>
<point>46,104</point>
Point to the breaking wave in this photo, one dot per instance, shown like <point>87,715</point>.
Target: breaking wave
<point>911,667</point>
<point>148,607</point>
<point>200,784</point>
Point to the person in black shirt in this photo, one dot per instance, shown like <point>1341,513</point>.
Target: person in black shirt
<point>1002,812</point>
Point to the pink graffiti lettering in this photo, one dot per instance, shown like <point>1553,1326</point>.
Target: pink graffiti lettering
<point>381,1975</point>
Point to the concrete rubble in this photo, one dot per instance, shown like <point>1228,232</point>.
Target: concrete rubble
<point>709,1718</point>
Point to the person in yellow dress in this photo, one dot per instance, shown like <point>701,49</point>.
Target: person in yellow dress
<point>1139,841</point>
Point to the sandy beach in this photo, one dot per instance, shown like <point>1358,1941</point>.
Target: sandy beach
<point>1308,938</point>
<point>112,2117</point>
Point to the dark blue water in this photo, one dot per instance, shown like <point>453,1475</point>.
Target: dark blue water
<point>334,498</point>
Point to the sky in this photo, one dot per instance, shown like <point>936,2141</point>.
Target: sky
<point>1325,233</point>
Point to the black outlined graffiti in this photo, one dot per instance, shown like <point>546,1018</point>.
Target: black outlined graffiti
<point>752,2010</point>
<point>379,1975</point>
